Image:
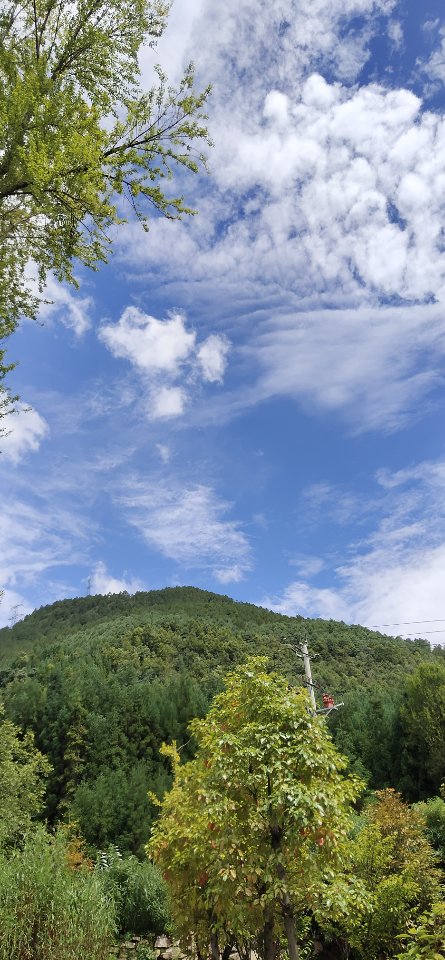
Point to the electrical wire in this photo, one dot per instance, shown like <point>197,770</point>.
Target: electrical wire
<point>406,623</point>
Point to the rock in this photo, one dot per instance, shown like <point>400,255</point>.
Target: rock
<point>162,943</point>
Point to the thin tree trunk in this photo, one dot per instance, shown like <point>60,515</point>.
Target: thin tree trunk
<point>214,946</point>
<point>289,926</point>
<point>268,935</point>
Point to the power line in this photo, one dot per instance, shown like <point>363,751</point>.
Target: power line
<point>406,623</point>
<point>423,632</point>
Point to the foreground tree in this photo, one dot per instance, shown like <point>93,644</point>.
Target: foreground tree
<point>77,133</point>
<point>252,835</point>
<point>398,868</point>
<point>23,773</point>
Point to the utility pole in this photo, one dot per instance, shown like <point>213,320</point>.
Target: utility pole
<point>308,674</point>
<point>301,650</point>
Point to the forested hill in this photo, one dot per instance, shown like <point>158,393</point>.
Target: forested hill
<point>103,681</point>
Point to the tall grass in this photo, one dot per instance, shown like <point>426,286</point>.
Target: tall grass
<point>49,911</point>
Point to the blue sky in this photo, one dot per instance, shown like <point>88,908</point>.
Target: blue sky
<point>251,401</point>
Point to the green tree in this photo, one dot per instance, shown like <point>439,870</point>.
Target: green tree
<point>433,816</point>
<point>23,771</point>
<point>252,835</point>
<point>397,865</point>
<point>422,732</point>
<point>78,135</point>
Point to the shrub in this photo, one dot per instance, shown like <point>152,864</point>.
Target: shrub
<point>49,911</point>
<point>139,892</point>
<point>427,940</point>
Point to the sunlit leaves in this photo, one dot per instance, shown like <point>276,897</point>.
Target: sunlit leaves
<point>255,826</point>
<point>77,132</point>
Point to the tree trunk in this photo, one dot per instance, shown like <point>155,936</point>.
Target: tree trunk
<point>268,935</point>
<point>214,946</point>
<point>289,926</point>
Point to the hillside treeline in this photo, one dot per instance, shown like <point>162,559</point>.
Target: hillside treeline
<point>103,681</point>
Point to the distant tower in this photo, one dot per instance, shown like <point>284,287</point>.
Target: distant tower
<point>15,614</point>
<point>89,587</point>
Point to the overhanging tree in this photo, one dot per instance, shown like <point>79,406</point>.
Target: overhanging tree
<point>252,834</point>
<point>77,133</point>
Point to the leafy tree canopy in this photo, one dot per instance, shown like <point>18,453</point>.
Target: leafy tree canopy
<point>23,771</point>
<point>252,834</point>
<point>397,865</point>
<point>77,134</point>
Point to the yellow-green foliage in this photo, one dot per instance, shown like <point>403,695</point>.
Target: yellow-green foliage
<point>252,834</point>
<point>65,68</point>
<point>426,941</point>
<point>397,865</point>
<point>23,771</point>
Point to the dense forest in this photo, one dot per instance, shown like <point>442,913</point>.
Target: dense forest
<point>179,718</point>
<point>103,681</point>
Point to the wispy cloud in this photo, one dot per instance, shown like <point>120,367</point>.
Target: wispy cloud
<point>189,525</point>
<point>37,540</point>
<point>375,366</point>
<point>395,574</point>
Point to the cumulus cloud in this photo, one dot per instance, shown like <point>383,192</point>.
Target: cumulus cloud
<point>152,345</point>
<point>167,402</point>
<point>102,582</point>
<point>165,351</point>
<point>394,575</point>
<point>310,175</point>
<point>25,431</point>
<point>294,34</point>
<point>189,525</point>
<point>212,358</point>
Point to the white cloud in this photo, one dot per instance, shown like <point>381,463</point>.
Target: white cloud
<point>230,574</point>
<point>302,599</point>
<point>374,365</point>
<point>102,582</point>
<point>434,68</point>
<point>167,402</point>
<point>165,351</point>
<point>25,431</point>
<point>188,525</point>
<point>396,574</point>
<point>307,566</point>
<point>36,539</point>
<point>154,346</point>
<point>212,358</point>
<point>63,304</point>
